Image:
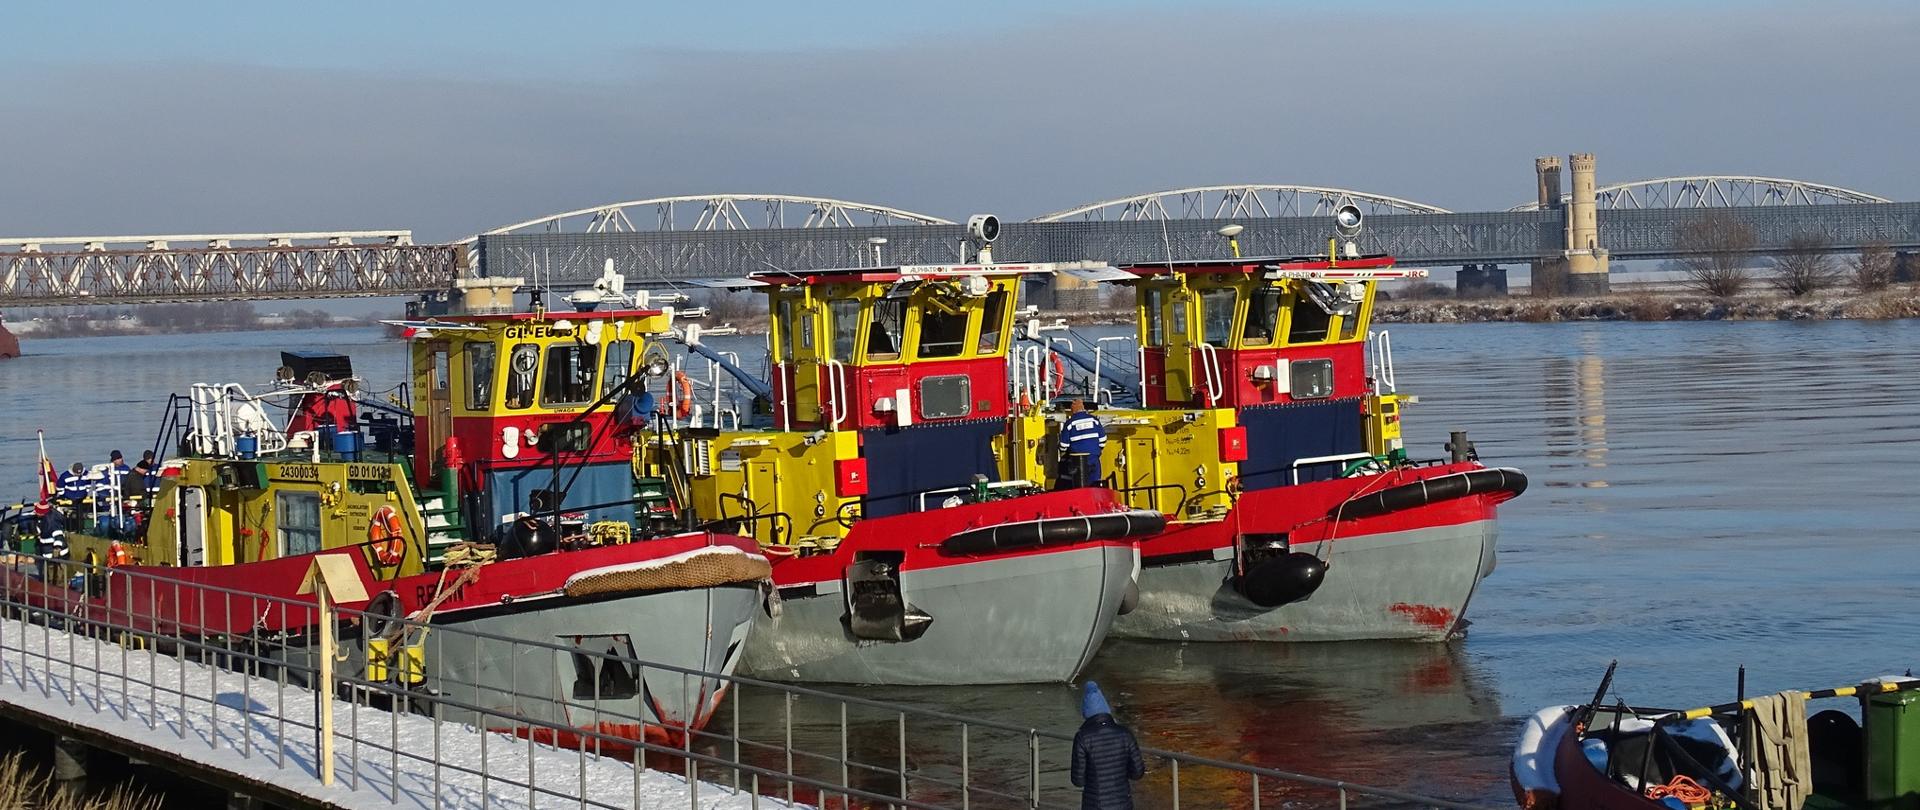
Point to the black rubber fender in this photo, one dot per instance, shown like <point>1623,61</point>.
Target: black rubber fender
<point>1433,490</point>
<point>1057,531</point>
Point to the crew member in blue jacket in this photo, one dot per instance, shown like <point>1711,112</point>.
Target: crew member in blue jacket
<point>73,484</point>
<point>1082,438</point>
<point>1106,758</point>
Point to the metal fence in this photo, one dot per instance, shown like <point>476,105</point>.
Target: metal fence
<point>880,754</point>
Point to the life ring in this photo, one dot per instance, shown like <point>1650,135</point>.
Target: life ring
<point>387,535</point>
<point>1059,372</point>
<point>683,406</point>
<point>118,555</point>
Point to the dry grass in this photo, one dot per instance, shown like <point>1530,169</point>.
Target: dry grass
<point>26,788</point>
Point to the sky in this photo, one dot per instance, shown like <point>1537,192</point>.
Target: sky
<point>453,118</point>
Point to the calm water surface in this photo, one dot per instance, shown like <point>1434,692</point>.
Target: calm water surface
<point>1704,495</point>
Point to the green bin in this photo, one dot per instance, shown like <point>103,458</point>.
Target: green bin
<point>1893,750</point>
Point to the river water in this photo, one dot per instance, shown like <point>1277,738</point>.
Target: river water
<point>1704,495</point>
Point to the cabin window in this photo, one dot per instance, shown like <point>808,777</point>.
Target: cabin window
<point>844,314</point>
<point>440,370</point>
<point>942,334</point>
<point>1307,322</point>
<point>569,379</point>
<point>297,521</point>
<point>1310,379</point>
<point>778,339</point>
<point>946,396</point>
<point>525,363</point>
<point>1350,319</point>
<point>1216,316</point>
<point>993,323</point>
<point>1177,314</point>
<point>1156,326</point>
<point>888,325</point>
<point>619,365</point>
<point>1263,314</point>
<point>802,326</point>
<point>479,376</point>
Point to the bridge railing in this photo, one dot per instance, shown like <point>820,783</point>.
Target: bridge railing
<point>765,742</point>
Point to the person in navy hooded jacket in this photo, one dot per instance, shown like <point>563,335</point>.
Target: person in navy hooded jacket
<point>1106,759</point>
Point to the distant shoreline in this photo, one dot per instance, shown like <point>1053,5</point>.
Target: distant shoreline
<point>1645,307</point>
<point>26,330</point>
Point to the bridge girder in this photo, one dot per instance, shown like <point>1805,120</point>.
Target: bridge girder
<point>1247,200</point>
<point>1719,191</point>
<point>717,212</point>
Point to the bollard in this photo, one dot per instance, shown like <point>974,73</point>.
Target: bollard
<point>1459,449</point>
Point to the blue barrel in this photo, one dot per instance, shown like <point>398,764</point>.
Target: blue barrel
<point>347,444</point>
<point>247,446</point>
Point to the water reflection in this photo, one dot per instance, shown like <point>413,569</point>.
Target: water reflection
<point>1358,710</point>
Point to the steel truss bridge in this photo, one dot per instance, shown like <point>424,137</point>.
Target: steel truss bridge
<point>666,240</point>
<point>1638,221</point>
<point>220,267</point>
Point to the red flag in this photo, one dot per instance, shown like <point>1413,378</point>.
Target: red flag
<point>48,481</point>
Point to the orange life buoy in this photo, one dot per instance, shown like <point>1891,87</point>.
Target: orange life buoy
<point>118,555</point>
<point>684,406</point>
<point>1059,372</point>
<point>387,533</point>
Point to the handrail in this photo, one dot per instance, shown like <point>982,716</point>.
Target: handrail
<point>991,485</point>
<point>1313,460</point>
<point>837,377</point>
<point>1382,360</point>
<point>782,399</point>
<point>53,604</point>
<point>1216,381</point>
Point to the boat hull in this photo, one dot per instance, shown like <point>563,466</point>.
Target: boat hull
<point>700,629</point>
<point>1028,618</point>
<point>1371,592</point>
<point>1407,575</point>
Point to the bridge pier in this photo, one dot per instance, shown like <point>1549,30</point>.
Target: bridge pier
<point>1480,281</point>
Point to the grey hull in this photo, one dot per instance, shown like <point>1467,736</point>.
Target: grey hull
<point>1027,619</point>
<point>1397,585</point>
<point>699,629</point>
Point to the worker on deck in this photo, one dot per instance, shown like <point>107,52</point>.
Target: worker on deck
<point>1082,438</point>
<point>73,484</point>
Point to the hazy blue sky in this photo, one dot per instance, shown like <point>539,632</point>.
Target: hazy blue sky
<point>449,118</point>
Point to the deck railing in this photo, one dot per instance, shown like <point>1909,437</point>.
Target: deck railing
<point>771,742</point>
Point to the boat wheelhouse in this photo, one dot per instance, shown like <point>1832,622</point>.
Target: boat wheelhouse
<point>902,552</point>
<point>1267,429</point>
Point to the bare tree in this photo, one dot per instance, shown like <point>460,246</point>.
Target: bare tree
<point>1873,268</point>
<point>1714,250</point>
<point>1805,266</point>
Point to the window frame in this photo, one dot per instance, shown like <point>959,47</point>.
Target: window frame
<point>284,532</point>
<point>532,390</point>
<point>994,312</point>
<point>481,385</point>
<point>1204,298</point>
<point>607,381</point>
<point>586,388</point>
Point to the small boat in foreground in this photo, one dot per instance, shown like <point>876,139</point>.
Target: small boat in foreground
<point>1764,753</point>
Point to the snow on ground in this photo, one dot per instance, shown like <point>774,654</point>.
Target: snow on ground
<point>233,722</point>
